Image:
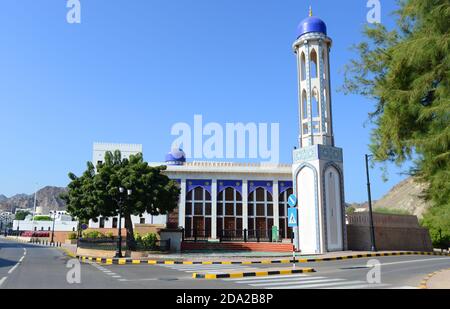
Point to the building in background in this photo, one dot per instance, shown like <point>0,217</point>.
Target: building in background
<point>63,223</point>
<point>99,150</point>
<point>98,156</point>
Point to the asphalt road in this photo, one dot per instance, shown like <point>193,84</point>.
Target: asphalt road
<point>28,266</point>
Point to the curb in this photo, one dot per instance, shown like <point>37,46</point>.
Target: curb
<point>252,274</point>
<point>424,282</point>
<point>125,261</point>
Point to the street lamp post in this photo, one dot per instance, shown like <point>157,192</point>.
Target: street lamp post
<point>372,228</point>
<point>53,229</point>
<point>120,202</point>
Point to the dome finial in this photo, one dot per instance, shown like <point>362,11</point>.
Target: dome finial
<point>310,11</point>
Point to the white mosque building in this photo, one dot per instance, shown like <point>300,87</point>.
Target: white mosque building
<point>239,201</point>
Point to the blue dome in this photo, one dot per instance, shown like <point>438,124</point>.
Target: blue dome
<point>311,24</point>
<point>176,157</point>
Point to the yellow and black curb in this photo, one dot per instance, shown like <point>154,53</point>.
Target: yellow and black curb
<point>286,272</point>
<point>424,282</point>
<point>127,261</point>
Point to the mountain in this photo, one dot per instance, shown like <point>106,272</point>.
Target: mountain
<point>47,197</point>
<point>405,196</point>
<point>2,198</point>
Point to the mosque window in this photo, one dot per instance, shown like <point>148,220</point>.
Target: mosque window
<point>198,213</point>
<point>260,213</point>
<point>229,213</point>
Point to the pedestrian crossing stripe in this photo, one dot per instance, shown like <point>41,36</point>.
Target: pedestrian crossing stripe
<point>303,281</point>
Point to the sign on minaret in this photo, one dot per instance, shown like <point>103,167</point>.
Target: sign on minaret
<point>318,164</point>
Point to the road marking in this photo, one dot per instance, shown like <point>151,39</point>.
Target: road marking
<point>14,268</point>
<point>211,269</point>
<point>297,282</point>
<point>3,280</point>
<point>361,286</point>
<point>290,281</point>
<point>412,261</point>
<point>271,277</point>
<point>279,280</point>
<point>309,286</point>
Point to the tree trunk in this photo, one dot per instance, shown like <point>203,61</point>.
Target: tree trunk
<point>131,243</point>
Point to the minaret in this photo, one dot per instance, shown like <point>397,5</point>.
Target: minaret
<point>318,165</point>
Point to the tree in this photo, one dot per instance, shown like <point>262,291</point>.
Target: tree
<point>96,193</point>
<point>406,72</point>
<point>21,215</point>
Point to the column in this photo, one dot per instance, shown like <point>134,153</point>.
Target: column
<point>182,204</point>
<point>245,204</point>
<point>276,210</point>
<point>214,209</point>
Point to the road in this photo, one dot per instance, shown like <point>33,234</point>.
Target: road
<point>29,266</point>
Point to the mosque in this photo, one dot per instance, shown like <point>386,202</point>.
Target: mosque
<point>236,202</point>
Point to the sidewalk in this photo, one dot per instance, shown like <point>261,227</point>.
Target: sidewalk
<point>439,280</point>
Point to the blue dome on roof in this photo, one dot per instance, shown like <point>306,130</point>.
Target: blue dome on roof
<point>311,24</point>
<point>176,157</point>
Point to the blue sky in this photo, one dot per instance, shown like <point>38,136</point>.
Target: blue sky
<point>132,69</point>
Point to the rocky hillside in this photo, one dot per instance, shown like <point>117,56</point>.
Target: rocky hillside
<point>47,197</point>
<point>405,196</point>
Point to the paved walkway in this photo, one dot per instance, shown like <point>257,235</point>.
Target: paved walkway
<point>441,280</point>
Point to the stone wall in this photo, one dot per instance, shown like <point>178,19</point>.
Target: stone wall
<point>392,232</point>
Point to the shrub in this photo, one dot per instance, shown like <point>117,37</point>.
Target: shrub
<point>93,234</point>
<point>149,240</point>
<point>72,236</point>
<point>146,242</point>
<point>42,218</point>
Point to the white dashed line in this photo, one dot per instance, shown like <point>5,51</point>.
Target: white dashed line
<point>3,280</point>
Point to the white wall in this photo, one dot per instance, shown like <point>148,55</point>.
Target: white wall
<point>149,219</point>
<point>46,226</point>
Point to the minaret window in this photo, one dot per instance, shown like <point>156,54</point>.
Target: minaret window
<point>303,67</point>
<point>304,105</point>
<point>313,64</point>
<point>315,103</point>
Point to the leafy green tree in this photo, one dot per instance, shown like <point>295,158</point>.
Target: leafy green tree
<point>21,215</point>
<point>96,192</point>
<point>406,72</point>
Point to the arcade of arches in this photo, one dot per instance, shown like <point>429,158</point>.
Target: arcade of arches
<point>231,211</point>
